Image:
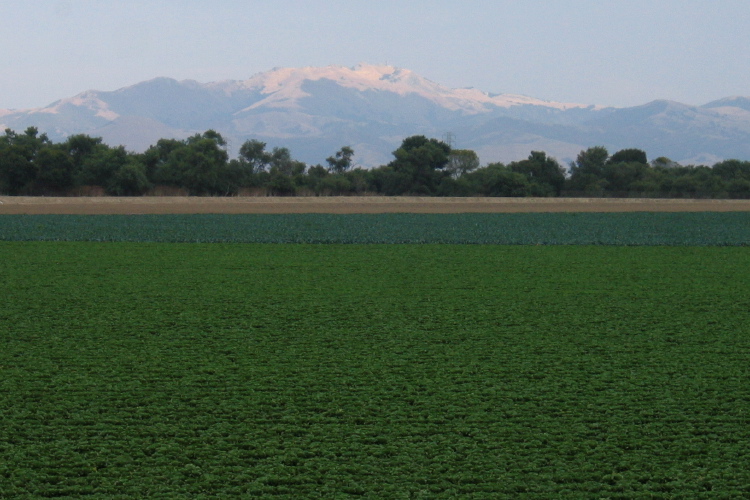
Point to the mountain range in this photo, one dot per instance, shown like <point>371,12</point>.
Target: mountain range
<point>314,111</point>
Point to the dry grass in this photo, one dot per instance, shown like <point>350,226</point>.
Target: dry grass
<point>349,205</point>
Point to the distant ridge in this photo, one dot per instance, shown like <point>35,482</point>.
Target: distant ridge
<point>316,110</point>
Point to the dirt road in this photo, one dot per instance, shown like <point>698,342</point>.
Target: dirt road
<point>348,205</point>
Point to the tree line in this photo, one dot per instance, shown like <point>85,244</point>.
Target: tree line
<point>31,164</point>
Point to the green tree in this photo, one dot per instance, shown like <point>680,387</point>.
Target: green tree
<point>249,168</point>
<point>341,161</point>
<point>420,163</point>
<point>545,175</point>
<point>54,168</point>
<point>80,147</point>
<point>629,156</point>
<point>729,170</point>
<point>664,162</point>
<point>18,155</point>
<point>461,162</point>
<point>156,157</point>
<point>314,179</point>
<point>198,164</point>
<point>99,166</point>
<point>281,161</point>
<point>335,185</point>
<point>388,181</point>
<point>497,179</point>
<point>254,157</point>
<point>624,178</point>
<point>360,180</point>
<point>286,173</point>
<point>17,174</point>
<point>739,188</point>
<point>586,173</point>
<point>129,179</point>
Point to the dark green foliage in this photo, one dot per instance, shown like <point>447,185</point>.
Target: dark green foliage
<point>17,174</point>
<point>199,164</point>
<point>586,172</point>
<point>31,165</point>
<point>419,164</point>
<point>100,166</point>
<point>640,228</point>
<point>629,156</point>
<point>253,154</point>
<point>301,371</point>
<point>498,180</point>
<point>461,162</point>
<point>130,179</point>
<point>19,168</point>
<point>545,176</point>
<point>341,161</point>
<point>54,170</point>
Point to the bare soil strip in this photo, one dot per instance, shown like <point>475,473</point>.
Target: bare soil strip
<point>352,205</point>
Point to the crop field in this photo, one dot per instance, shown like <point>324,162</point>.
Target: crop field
<point>147,369</point>
<point>638,228</point>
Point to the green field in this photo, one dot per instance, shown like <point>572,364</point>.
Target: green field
<point>380,371</point>
<point>642,228</point>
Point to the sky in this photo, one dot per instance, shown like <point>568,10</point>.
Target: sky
<point>611,53</point>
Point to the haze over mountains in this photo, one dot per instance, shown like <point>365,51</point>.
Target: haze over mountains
<point>316,111</point>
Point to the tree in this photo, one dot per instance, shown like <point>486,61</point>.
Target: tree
<point>282,162</point>
<point>628,156</point>
<point>461,162</point>
<point>360,179</point>
<point>254,156</point>
<point>545,175</point>
<point>341,161</point>
<point>623,178</point>
<point>664,162</point>
<point>54,169</point>
<point>81,146</point>
<point>99,166</point>
<point>129,180</point>
<point>17,174</point>
<point>18,154</point>
<point>156,156</point>
<point>730,170</point>
<point>285,173</point>
<point>586,172</point>
<point>386,180</point>
<point>497,179</point>
<point>198,164</point>
<point>420,163</point>
<point>625,171</point>
<point>27,144</point>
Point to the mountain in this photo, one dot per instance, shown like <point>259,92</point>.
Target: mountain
<point>315,111</point>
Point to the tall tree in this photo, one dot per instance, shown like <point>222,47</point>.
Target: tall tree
<point>586,172</point>
<point>198,164</point>
<point>254,157</point>
<point>341,161</point>
<point>631,155</point>
<point>54,168</point>
<point>18,154</point>
<point>461,162</point>
<point>420,162</point>
<point>544,174</point>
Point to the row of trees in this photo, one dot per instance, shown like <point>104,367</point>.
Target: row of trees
<point>31,164</point>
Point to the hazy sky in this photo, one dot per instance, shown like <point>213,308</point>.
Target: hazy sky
<point>618,53</point>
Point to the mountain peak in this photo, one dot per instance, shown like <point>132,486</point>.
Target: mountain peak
<point>736,101</point>
<point>283,88</point>
<point>314,110</point>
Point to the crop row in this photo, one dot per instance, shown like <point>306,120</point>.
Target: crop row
<point>691,229</point>
<point>383,371</point>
